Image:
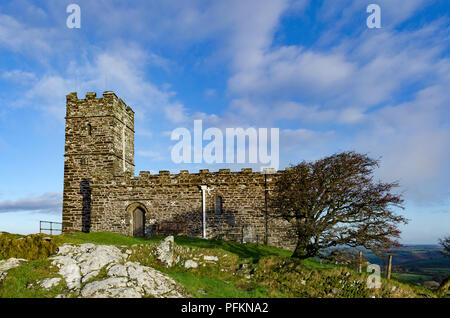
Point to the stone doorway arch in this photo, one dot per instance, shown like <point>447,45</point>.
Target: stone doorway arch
<point>137,213</point>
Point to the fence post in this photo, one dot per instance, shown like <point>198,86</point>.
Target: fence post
<point>389,267</point>
<point>360,261</point>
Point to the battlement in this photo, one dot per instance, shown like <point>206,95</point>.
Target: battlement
<point>206,172</point>
<point>184,177</point>
<point>107,105</point>
<point>99,137</point>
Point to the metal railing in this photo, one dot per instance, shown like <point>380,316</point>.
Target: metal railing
<point>50,227</point>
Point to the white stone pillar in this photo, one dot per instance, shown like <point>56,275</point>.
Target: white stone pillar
<point>204,188</point>
<point>124,149</point>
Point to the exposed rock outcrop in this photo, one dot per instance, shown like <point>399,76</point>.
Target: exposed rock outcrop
<point>190,264</point>
<point>6,265</point>
<point>102,271</point>
<point>165,251</point>
<point>49,282</point>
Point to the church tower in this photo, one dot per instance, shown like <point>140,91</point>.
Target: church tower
<point>99,141</point>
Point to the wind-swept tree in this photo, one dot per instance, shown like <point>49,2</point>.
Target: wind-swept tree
<point>335,202</point>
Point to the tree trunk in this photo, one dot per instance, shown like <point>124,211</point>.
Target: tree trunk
<point>301,250</point>
<point>443,289</point>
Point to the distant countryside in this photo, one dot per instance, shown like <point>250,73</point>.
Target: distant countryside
<point>419,264</point>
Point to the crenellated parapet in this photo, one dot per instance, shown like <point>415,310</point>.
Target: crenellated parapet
<point>109,105</point>
<point>246,177</point>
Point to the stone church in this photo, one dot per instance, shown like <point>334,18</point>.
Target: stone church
<point>102,193</point>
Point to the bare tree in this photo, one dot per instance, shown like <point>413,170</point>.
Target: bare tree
<point>335,202</point>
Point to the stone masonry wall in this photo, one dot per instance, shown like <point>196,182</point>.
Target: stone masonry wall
<point>94,145</point>
<point>178,198</point>
<point>101,191</point>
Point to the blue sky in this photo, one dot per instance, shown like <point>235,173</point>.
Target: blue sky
<point>310,68</point>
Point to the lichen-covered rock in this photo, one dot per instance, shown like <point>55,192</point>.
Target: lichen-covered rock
<point>117,270</point>
<point>165,251</point>
<point>113,287</point>
<point>94,259</point>
<point>104,272</point>
<point>69,270</point>
<point>49,282</point>
<point>209,258</point>
<point>6,265</point>
<point>190,264</point>
<point>152,281</point>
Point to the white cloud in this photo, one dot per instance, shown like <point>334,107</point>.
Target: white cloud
<point>304,144</point>
<point>46,203</point>
<point>120,69</point>
<point>18,76</point>
<point>413,139</point>
<point>176,113</point>
<point>292,70</point>
<point>154,155</point>
<point>18,37</point>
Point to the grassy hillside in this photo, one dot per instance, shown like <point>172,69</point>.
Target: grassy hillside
<point>246,270</point>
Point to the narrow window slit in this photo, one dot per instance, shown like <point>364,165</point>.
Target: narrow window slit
<point>219,205</point>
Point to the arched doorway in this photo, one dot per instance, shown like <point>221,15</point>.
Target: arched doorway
<point>138,222</point>
<point>137,213</point>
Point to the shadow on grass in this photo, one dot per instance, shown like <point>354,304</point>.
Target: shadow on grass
<point>243,251</point>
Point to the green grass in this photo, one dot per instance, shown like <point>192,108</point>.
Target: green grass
<point>10,235</point>
<point>416,278</point>
<point>314,263</point>
<point>243,251</point>
<point>104,238</point>
<point>21,281</point>
<point>205,286</point>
